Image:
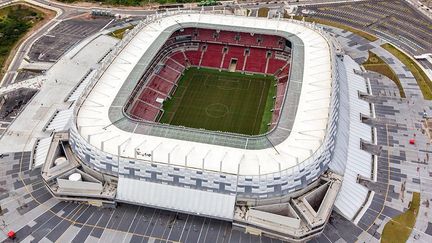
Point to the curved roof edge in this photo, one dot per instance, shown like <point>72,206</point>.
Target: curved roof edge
<point>307,133</point>
<point>274,137</point>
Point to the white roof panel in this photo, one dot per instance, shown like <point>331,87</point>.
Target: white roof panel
<point>352,195</point>
<point>80,88</point>
<point>41,151</point>
<point>210,204</point>
<point>60,121</point>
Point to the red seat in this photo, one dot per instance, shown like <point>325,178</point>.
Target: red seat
<point>193,57</point>
<point>275,65</point>
<point>227,37</point>
<point>256,60</point>
<point>234,52</point>
<point>212,56</point>
<point>179,58</point>
<point>205,35</point>
<point>248,40</point>
<point>144,112</point>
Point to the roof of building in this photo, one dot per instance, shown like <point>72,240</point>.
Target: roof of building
<point>357,161</point>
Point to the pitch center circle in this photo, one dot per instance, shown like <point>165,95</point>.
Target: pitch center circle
<point>217,110</point>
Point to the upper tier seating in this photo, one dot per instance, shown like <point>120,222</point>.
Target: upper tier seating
<point>206,49</point>
<point>212,56</point>
<point>235,52</point>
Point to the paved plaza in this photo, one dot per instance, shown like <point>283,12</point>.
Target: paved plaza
<point>402,167</point>
<point>30,210</point>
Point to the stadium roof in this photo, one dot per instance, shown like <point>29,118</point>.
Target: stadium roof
<point>353,161</point>
<point>307,132</point>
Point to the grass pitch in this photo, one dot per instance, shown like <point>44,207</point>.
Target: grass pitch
<point>221,101</point>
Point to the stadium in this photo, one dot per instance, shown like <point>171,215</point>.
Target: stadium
<point>250,120</point>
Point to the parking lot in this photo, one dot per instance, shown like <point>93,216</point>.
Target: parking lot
<point>395,21</point>
<point>50,47</point>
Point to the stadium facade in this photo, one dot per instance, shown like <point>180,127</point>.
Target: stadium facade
<point>283,183</point>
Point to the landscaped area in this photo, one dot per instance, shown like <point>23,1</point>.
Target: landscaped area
<point>221,101</point>
<point>422,79</point>
<point>399,228</point>
<point>263,12</point>
<point>376,64</point>
<point>120,32</point>
<point>15,22</point>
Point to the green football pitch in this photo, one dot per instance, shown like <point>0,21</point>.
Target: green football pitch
<point>221,101</point>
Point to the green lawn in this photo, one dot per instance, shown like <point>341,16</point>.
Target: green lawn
<point>376,64</point>
<point>399,228</point>
<point>221,101</point>
<point>120,32</point>
<point>15,21</point>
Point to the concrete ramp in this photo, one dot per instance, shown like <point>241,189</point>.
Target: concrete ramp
<point>37,66</point>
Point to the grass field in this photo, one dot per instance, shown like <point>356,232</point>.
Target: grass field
<point>221,101</point>
<point>120,32</point>
<point>15,21</point>
<point>376,64</point>
<point>399,228</point>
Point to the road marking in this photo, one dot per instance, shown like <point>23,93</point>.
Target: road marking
<point>107,25</point>
<point>129,228</point>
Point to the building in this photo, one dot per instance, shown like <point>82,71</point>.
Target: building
<point>283,183</point>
